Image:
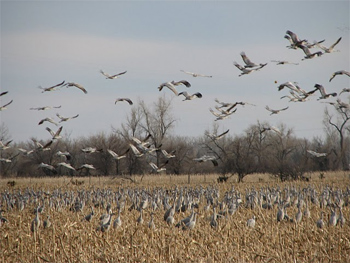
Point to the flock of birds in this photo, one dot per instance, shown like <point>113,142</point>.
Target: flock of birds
<point>222,110</point>
<point>179,207</point>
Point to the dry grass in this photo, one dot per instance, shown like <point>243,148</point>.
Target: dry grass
<point>71,240</point>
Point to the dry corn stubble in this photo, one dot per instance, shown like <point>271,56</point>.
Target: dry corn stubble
<point>70,239</point>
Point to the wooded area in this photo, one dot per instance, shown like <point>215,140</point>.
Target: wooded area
<point>144,144</point>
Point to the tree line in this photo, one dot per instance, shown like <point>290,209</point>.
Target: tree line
<point>261,148</point>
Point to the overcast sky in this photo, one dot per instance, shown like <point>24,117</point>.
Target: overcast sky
<point>46,42</point>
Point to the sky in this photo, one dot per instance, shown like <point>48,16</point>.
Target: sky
<point>46,42</point>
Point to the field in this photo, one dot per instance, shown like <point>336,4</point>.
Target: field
<point>72,239</point>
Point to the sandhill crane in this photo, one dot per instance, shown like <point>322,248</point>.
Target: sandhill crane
<point>47,166</point>
<point>338,104</point>
<point>293,86</point>
<point>104,217</point>
<point>324,95</point>
<point>66,118</point>
<point>251,222</point>
<point>292,45</point>
<point>222,115</point>
<point>333,218</point>
<point>170,220</point>
<point>294,40</point>
<point>89,216</point>
<point>308,54</point>
<point>190,97</point>
<point>67,165</point>
<point>238,103</point>
<point>115,76</point>
<point>45,108</point>
<point>330,49</point>
<point>219,136</point>
<point>9,159</point>
<point>213,221</point>
<point>55,135</point>
<point>6,160</point>
<point>142,144</point>
<point>296,97</point>
<point>343,105</point>
<point>115,155</point>
<point>185,220</point>
<point>283,62</point>
<point>67,156</point>
<point>136,152</point>
<point>4,146</point>
<point>4,107</point>
<point>170,86</point>
<point>25,152</point>
<point>91,150</point>
<point>344,90</point>
<point>316,154</point>
<point>151,224</point>
<point>36,222</point>
<point>47,222</point>
<point>169,212</point>
<point>320,222</point>
<point>311,45</point>
<point>48,120</point>
<point>298,215</point>
<point>245,71</point>
<point>205,158</point>
<point>168,155</point>
<point>117,222</point>
<point>181,82</point>
<point>140,220</point>
<point>121,202</point>
<point>191,224</point>
<point>224,104</point>
<point>341,219</point>
<point>86,166</point>
<point>275,111</point>
<point>248,62</point>
<point>280,213</point>
<point>52,88</point>
<point>40,147</point>
<point>158,169</point>
<point>124,99</point>
<point>105,226</point>
<point>307,212</point>
<point>339,72</point>
<point>196,74</point>
<point>228,110</point>
<point>3,93</point>
<point>143,204</point>
<point>73,84</point>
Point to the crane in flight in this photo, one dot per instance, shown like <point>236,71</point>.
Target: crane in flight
<point>115,76</point>
<point>195,74</point>
<point>190,97</point>
<point>275,111</point>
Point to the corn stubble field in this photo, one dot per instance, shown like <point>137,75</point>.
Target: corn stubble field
<point>71,239</point>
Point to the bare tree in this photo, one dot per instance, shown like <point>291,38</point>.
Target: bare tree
<point>131,128</point>
<point>339,123</point>
<point>242,158</point>
<point>181,148</point>
<point>284,144</point>
<point>260,145</point>
<point>4,133</point>
<point>157,122</point>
